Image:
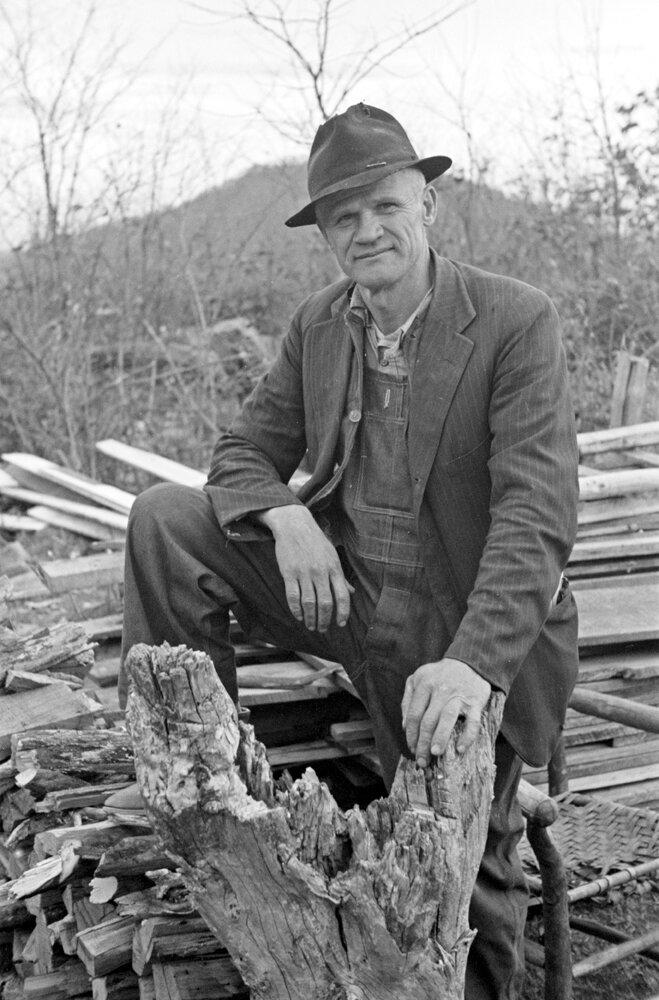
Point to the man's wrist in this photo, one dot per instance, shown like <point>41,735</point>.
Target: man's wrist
<point>281,518</point>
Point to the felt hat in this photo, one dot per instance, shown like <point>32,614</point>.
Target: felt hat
<point>357,148</point>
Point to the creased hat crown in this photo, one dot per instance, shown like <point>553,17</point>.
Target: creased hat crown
<point>356,148</point>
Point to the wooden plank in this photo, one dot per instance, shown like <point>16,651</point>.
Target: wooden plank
<point>621,527</point>
<point>596,511</point>
<point>638,544</point>
<point>63,575</point>
<point>251,697</point>
<point>650,459</point>
<point>629,666</point>
<point>589,760</point>
<point>26,586</point>
<point>156,465</point>
<point>101,493</point>
<point>88,511</point>
<point>20,522</point>
<point>106,627</point>
<point>608,614</point>
<point>287,674</point>
<point>618,483</point>
<point>613,779</point>
<point>76,525</point>
<point>301,753</point>
<point>55,708</point>
<point>27,680</point>
<point>594,570</point>
<point>625,580</point>
<point>618,438</point>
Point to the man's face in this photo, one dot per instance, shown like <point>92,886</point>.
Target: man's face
<point>378,233</point>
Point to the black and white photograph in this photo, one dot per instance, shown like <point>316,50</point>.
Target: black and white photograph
<point>329,500</point>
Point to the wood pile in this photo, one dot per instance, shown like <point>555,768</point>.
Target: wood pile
<point>79,916</point>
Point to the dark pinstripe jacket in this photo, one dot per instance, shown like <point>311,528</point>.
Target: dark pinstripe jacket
<point>493,461</point>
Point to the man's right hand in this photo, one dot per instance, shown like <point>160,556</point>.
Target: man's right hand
<point>310,567</point>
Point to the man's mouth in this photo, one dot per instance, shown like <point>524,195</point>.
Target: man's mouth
<point>372,254</point>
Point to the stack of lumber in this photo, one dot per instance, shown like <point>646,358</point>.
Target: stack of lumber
<point>79,916</point>
<point>619,502</point>
<point>62,498</point>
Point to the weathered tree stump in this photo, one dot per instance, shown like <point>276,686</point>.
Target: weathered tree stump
<point>311,903</point>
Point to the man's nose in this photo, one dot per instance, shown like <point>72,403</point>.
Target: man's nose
<point>368,228</point>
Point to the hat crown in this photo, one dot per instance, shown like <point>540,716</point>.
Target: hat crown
<point>363,138</point>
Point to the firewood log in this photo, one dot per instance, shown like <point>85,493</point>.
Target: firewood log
<point>310,902</point>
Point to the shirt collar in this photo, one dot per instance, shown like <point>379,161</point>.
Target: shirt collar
<point>358,307</point>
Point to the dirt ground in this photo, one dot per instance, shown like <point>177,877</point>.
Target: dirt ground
<point>630,979</point>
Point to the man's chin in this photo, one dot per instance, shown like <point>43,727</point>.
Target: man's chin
<point>374,272</point>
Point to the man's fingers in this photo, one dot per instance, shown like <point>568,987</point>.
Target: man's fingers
<point>292,589</point>
<point>471,729</point>
<point>414,714</point>
<point>308,602</point>
<point>407,698</point>
<point>324,605</point>
<point>427,730</point>
<point>342,591</point>
<point>445,725</point>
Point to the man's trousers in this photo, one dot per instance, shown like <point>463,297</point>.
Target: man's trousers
<point>184,575</point>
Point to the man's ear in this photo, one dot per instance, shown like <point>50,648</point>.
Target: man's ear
<point>430,205</point>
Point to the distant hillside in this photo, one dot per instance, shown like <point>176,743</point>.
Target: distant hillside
<point>107,334</point>
<point>232,242</point>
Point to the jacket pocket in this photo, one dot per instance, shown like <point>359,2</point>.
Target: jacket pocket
<point>470,461</point>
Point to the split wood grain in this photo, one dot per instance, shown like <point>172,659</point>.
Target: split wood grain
<point>106,946</point>
<point>55,707</point>
<point>340,877</point>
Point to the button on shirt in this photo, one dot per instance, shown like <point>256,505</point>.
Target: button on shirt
<point>392,353</point>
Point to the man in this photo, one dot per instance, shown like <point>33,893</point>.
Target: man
<point>426,550</point>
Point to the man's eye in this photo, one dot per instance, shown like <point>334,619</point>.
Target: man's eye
<point>387,206</point>
<point>342,220</point>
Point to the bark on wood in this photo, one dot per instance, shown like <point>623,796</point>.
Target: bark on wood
<point>83,753</point>
<point>310,902</point>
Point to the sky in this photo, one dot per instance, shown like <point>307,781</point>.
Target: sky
<point>208,95</point>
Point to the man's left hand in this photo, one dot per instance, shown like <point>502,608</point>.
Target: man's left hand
<point>436,696</point>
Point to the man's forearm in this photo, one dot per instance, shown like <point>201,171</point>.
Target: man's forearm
<point>310,567</point>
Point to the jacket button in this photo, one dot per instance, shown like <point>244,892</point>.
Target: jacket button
<point>354,416</point>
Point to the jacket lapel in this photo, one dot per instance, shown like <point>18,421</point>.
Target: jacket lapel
<point>332,374</point>
<point>442,356</point>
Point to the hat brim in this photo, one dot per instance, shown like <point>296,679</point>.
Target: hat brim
<point>431,167</point>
